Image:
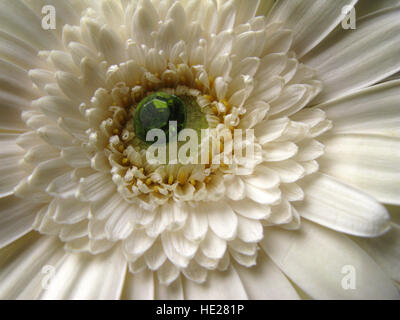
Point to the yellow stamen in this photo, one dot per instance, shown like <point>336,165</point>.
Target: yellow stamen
<point>125,161</point>
<point>192,182</point>
<point>156,189</point>
<point>170,179</point>
<point>226,104</point>
<point>121,148</point>
<point>182,178</point>
<point>198,83</point>
<point>149,181</point>
<point>116,131</point>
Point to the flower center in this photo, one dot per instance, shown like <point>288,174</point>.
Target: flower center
<point>162,111</point>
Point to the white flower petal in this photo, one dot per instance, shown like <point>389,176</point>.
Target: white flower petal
<point>246,10</point>
<point>155,257</point>
<point>249,230</point>
<point>279,151</point>
<point>235,187</point>
<point>216,286</point>
<point>292,192</point>
<point>95,187</point>
<point>139,286</point>
<point>54,136</point>
<point>16,218</point>
<point>270,130</point>
<point>244,248</point>
<point>118,226</point>
<point>103,208</point>
<point>279,41</point>
<point>138,243</point>
<point>370,6</point>
<point>183,246</point>
<point>374,43</point>
<point>342,208</point>
<point>10,170</point>
<point>372,110</point>
<point>23,265</point>
<point>309,149</point>
<point>195,272</point>
<point>172,254</point>
<point>70,211</point>
<point>75,157</point>
<point>288,170</point>
<point>18,19</point>
<point>263,177</point>
<point>72,87</point>
<point>206,262</point>
<point>84,276</point>
<point>143,24</point>
<point>250,209</point>
<point>265,281</point>
<point>263,196</point>
<point>226,16</point>
<point>314,258</point>
<point>173,291</point>
<point>196,225</point>
<point>368,162</point>
<point>74,231</point>
<point>213,246</point>
<point>18,51</point>
<point>303,16</point>
<point>385,251</point>
<point>168,273</point>
<point>222,220</point>
<point>55,107</point>
<point>281,214</point>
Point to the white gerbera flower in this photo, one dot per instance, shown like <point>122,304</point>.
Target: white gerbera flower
<point>79,196</point>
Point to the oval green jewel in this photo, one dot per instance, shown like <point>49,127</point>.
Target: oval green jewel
<point>156,111</point>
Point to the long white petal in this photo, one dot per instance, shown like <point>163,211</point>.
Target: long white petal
<point>139,286</point>
<point>10,171</point>
<point>341,207</point>
<point>318,260</point>
<point>374,44</point>
<point>385,251</point>
<point>27,264</point>
<point>367,162</point>
<point>374,110</point>
<point>174,291</point>
<point>216,287</point>
<point>265,281</point>
<point>83,276</point>
<point>16,218</point>
<point>303,16</point>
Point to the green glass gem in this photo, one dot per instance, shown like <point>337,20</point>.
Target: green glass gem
<point>156,111</point>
